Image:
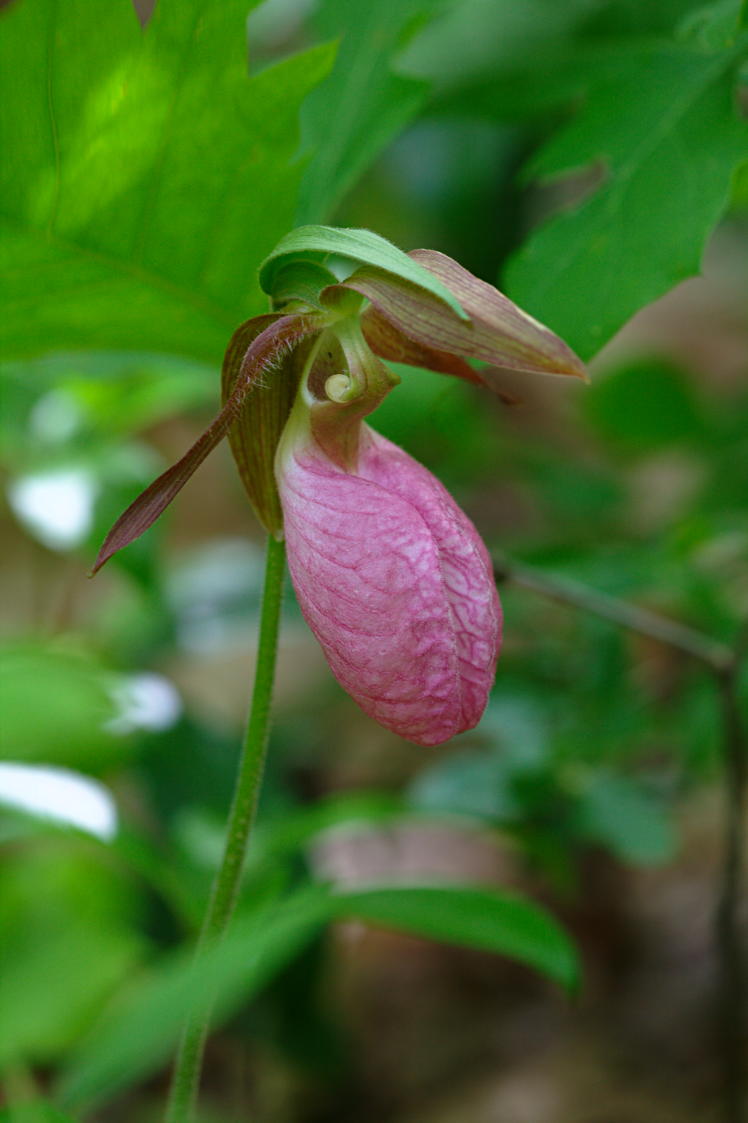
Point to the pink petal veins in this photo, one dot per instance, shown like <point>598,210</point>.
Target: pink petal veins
<point>396,584</point>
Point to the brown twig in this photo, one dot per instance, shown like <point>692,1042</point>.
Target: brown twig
<point>716,655</point>
<point>724,662</point>
<point>729,918</point>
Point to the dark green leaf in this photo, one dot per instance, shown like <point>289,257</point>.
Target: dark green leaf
<point>363,104</point>
<point>666,166</point>
<point>620,815</point>
<point>643,406</point>
<point>293,829</point>
<point>485,919</point>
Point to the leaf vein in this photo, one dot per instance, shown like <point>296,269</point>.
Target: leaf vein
<point>51,29</point>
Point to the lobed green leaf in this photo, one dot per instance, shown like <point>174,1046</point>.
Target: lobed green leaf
<point>149,174</point>
<point>664,175</point>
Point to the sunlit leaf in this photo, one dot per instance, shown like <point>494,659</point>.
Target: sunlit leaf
<point>56,706</point>
<point>149,176</point>
<point>57,796</point>
<point>67,945</point>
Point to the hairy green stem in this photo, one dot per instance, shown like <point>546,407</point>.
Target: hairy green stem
<point>186,1078</point>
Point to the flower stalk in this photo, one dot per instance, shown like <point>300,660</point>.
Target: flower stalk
<point>188,1064</point>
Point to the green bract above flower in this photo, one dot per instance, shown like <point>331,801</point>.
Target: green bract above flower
<point>343,300</point>
<point>328,246</point>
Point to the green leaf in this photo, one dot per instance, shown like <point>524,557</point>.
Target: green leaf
<point>714,25</point>
<point>51,991</point>
<point>136,1037</point>
<point>56,706</point>
<point>485,919</point>
<point>661,126</point>
<point>34,1112</point>
<point>472,783</point>
<point>320,243</point>
<point>644,405</point>
<point>349,119</point>
<point>67,945</point>
<point>451,55</point>
<point>148,176</point>
<point>87,395</point>
<point>622,816</point>
<point>291,830</point>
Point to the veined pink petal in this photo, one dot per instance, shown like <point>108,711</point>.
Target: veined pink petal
<point>395,583</point>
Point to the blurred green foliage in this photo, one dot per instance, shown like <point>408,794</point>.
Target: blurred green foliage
<point>147,173</point>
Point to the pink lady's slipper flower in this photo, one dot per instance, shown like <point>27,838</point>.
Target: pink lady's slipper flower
<point>391,576</point>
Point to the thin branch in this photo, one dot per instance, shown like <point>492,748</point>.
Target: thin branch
<point>729,919</point>
<point>724,662</point>
<point>718,656</point>
<point>227,881</point>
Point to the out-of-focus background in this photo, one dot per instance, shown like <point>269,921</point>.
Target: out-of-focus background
<point>580,155</point>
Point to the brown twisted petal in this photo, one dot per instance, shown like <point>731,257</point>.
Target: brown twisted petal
<point>264,353</point>
<point>255,434</point>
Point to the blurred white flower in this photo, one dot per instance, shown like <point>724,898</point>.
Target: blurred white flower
<point>144,701</point>
<point>61,795</point>
<point>56,507</point>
